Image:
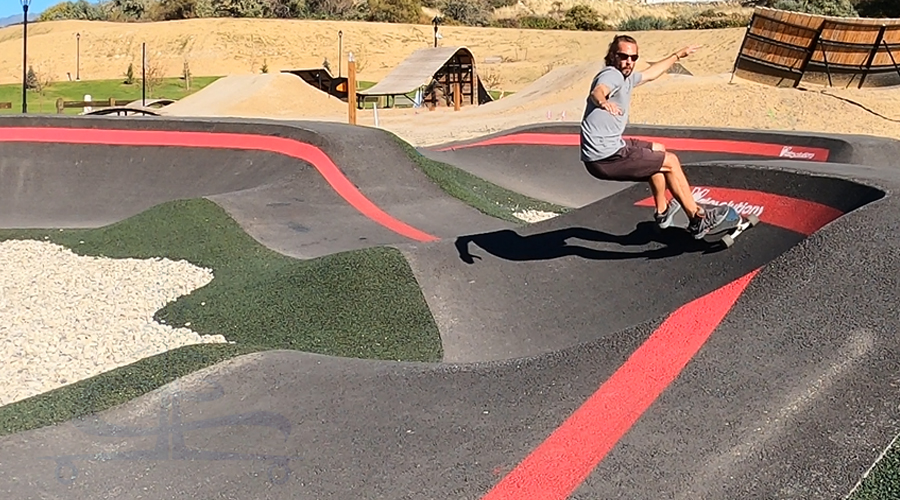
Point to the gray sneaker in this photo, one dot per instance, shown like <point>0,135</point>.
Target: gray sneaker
<point>714,215</point>
<point>665,219</point>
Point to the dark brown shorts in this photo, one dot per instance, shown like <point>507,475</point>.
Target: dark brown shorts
<point>635,162</point>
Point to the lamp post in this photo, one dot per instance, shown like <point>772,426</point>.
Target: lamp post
<point>340,51</point>
<point>435,22</point>
<point>77,57</point>
<point>25,4</point>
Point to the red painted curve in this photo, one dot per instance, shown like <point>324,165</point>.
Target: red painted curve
<point>289,147</point>
<point>566,458</point>
<point>788,151</point>
<point>554,469</point>
<point>801,216</point>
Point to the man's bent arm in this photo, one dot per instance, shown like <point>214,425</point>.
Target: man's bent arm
<point>598,95</point>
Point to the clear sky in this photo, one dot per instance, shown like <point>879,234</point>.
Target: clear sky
<point>13,7</point>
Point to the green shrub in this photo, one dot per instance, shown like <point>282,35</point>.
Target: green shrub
<point>645,23</point>
<point>878,8</point>
<point>710,19</point>
<point>79,9</point>
<point>840,8</point>
<point>467,12</point>
<point>394,11</point>
<point>538,23</point>
<point>583,17</point>
<point>336,9</point>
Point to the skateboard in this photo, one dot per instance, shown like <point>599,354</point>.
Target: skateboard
<point>733,226</point>
<point>730,228</point>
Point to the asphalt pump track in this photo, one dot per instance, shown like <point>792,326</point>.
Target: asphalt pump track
<point>587,356</point>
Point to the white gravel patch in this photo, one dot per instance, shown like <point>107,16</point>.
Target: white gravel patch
<point>534,215</point>
<point>66,317</point>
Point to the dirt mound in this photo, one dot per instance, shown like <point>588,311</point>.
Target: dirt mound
<point>277,95</point>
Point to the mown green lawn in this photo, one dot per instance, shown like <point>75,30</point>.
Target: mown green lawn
<point>99,90</point>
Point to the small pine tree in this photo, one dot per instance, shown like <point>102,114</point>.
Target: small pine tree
<point>265,67</point>
<point>31,81</point>
<point>129,74</point>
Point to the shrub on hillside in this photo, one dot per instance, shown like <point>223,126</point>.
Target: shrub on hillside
<point>878,8</point>
<point>840,8</point>
<point>240,8</point>
<point>467,12</point>
<point>336,9</point>
<point>394,11</point>
<point>170,10</point>
<point>583,17</point>
<point>710,19</point>
<point>528,22</point>
<point>127,10</point>
<point>285,9</point>
<point>645,23</point>
<point>79,9</point>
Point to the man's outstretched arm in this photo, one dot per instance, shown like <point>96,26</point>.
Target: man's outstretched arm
<point>659,68</point>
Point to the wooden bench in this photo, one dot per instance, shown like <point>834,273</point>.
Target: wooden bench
<point>111,102</point>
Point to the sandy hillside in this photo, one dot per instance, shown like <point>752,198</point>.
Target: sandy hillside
<point>547,86</point>
<point>241,46</point>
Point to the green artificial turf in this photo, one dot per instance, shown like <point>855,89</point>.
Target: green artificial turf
<point>485,196</point>
<point>883,482</point>
<point>363,303</point>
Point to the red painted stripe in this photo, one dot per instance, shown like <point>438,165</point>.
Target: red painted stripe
<point>566,458</point>
<point>801,216</point>
<point>285,146</point>
<point>671,143</point>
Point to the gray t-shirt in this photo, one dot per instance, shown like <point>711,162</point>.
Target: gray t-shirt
<point>601,131</point>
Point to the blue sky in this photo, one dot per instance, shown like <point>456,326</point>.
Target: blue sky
<point>13,7</point>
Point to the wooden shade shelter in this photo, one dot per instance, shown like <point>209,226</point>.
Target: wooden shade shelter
<point>435,71</point>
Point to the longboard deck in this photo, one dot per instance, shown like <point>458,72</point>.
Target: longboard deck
<point>726,232</point>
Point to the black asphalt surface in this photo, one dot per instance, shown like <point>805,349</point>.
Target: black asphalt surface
<point>281,201</point>
<point>556,173</point>
<point>792,396</point>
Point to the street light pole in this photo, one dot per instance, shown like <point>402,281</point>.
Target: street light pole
<point>340,51</point>
<point>435,22</point>
<point>77,57</point>
<point>25,4</point>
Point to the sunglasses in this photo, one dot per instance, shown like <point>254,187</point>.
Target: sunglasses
<point>623,56</point>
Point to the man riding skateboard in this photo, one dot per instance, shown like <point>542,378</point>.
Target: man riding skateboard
<point>606,155</point>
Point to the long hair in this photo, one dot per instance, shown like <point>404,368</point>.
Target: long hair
<point>614,46</point>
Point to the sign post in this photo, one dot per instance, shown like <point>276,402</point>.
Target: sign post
<point>351,89</point>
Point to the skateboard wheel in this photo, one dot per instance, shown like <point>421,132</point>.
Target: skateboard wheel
<point>728,240</point>
<point>754,220</point>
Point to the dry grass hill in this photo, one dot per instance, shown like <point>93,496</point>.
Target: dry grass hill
<point>549,71</point>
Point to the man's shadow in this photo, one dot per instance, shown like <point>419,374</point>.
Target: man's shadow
<point>509,245</point>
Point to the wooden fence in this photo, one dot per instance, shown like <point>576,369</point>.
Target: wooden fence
<point>784,48</point>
